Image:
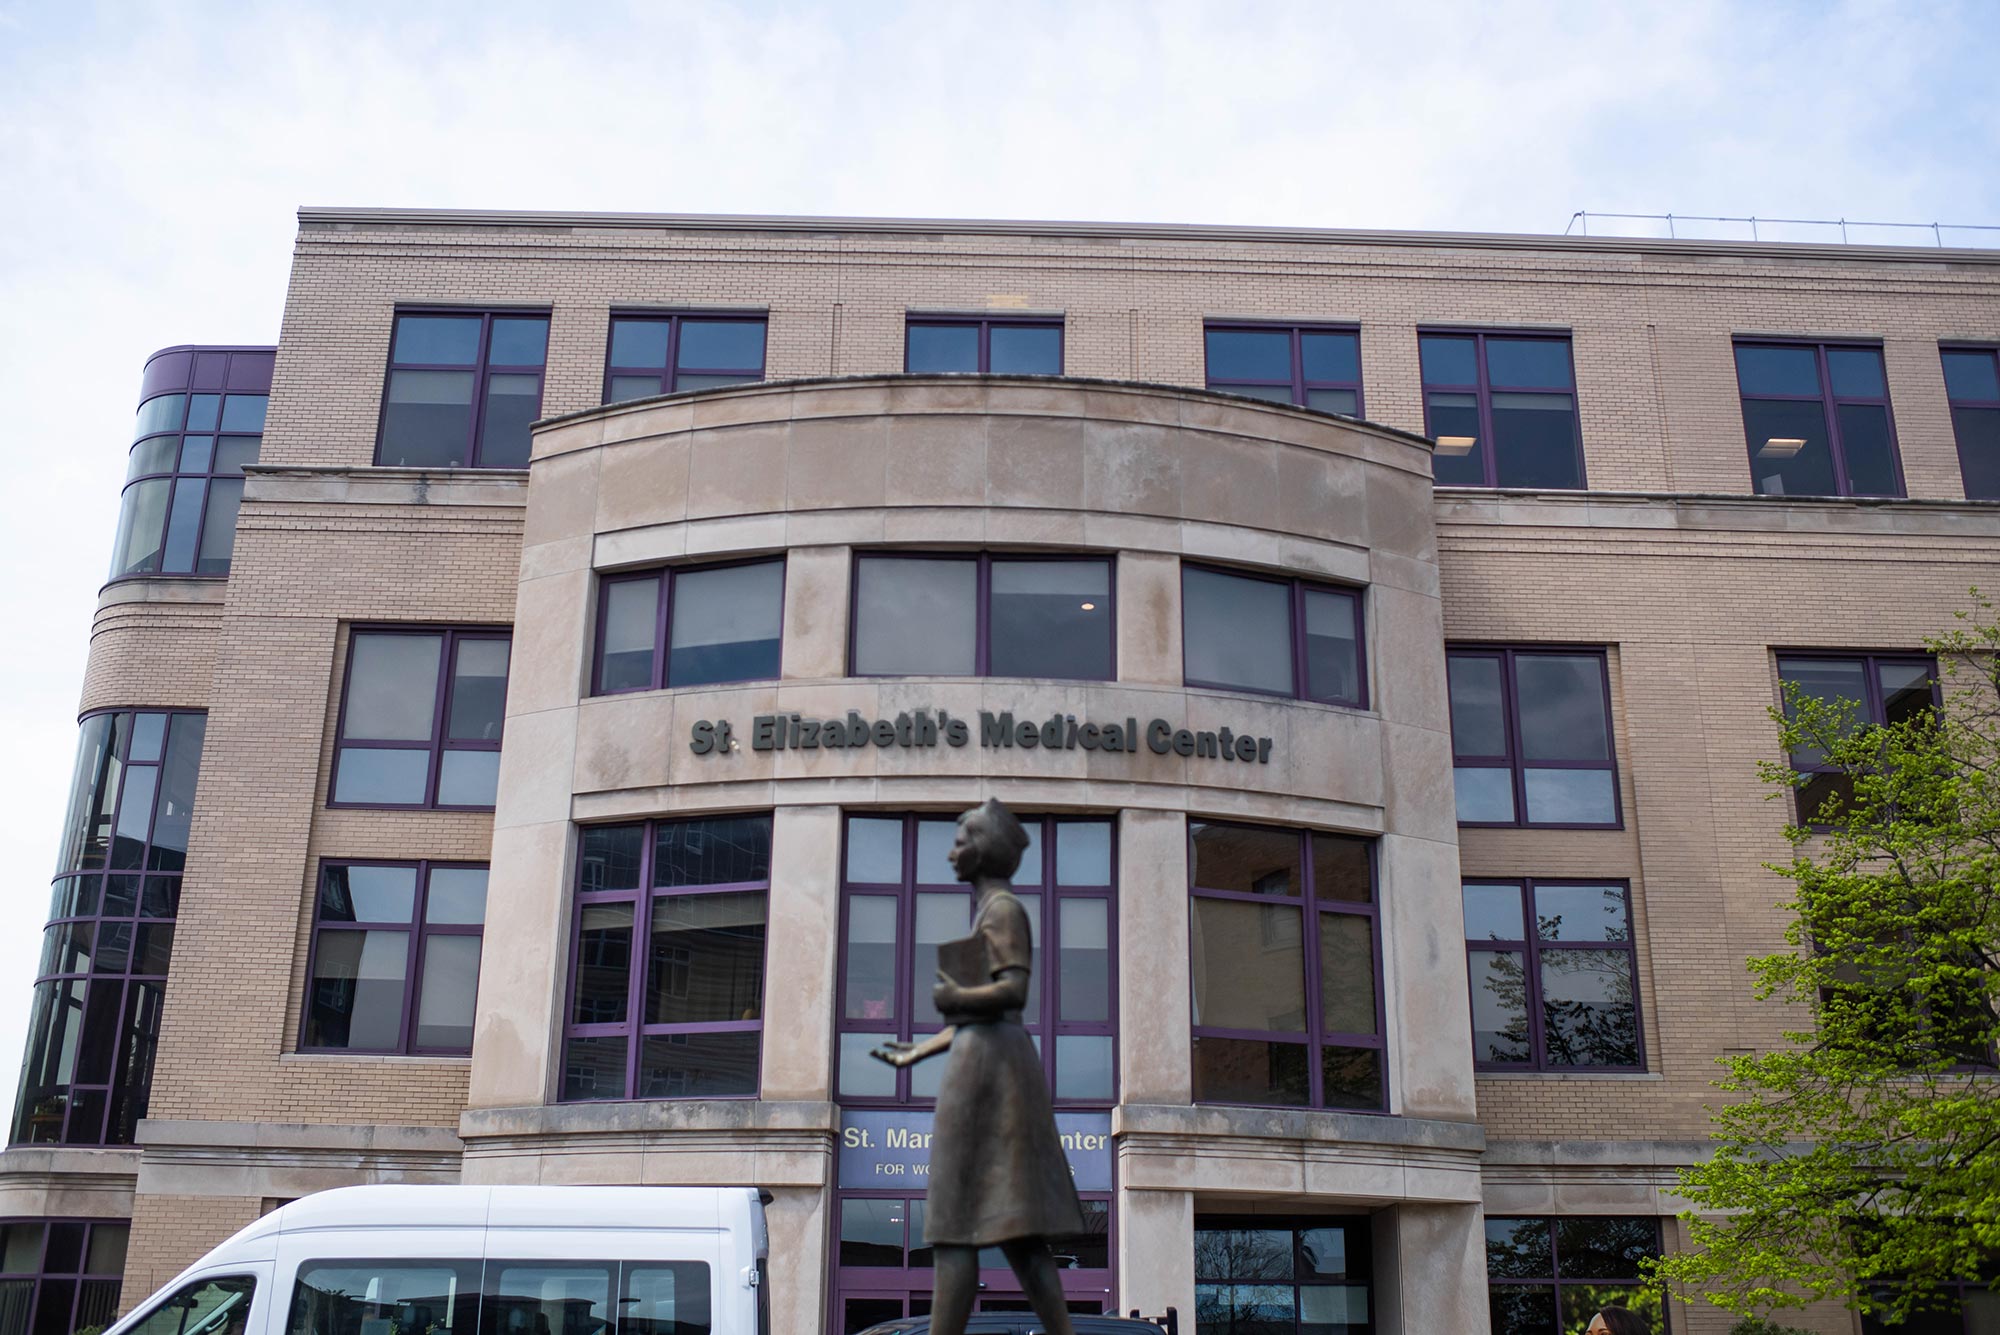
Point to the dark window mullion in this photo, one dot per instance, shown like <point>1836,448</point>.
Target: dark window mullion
<point>673,374</point>
<point>413,967</point>
<point>982,650</point>
<point>1298,367</point>
<point>477,416</point>
<point>635,974</point>
<point>1510,705</point>
<point>1484,392</point>
<point>439,703</point>
<point>663,631</point>
<point>1830,409</point>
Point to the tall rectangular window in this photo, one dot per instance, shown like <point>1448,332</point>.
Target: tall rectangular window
<point>1972,383</point>
<point>666,995</point>
<point>1878,688</point>
<point>983,616</point>
<point>691,626</point>
<point>395,957</point>
<point>184,483</point>
<point>1555,976</point>
<point>1549,1276</point>
<point>997,344</point>
<point>1531,737</point>
<point>1267,1274</point>
<point>900,901</point>
<point>1502,409</point>
<point>1273,636</point>
<point>1314,366</point>
<point>463,387</point>
<point>59,1275</point>
<point>1287,968</point>
<point>420,718</point>
<point>671,354</point>
<point>1816,416</point>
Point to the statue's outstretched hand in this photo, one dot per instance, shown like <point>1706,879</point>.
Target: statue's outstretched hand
<point>895,1052</point>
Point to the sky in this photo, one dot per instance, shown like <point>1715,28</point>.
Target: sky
<point>152,156</point>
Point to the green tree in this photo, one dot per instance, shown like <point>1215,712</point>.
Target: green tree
<point>1861,1161</point>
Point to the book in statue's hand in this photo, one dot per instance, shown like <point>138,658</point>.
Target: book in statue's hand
<point>964,961</point>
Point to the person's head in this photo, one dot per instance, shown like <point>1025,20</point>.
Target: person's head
<point>1618,1321</point>
<point>989,843</point>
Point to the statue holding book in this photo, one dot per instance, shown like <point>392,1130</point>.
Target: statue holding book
<point>998,1176</point>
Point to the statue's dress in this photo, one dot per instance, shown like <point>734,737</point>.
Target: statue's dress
<point>997,1166</point>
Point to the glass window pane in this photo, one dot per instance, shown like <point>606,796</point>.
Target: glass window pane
<point>636,343</point>
<point>600,991</point>
<point>874,850</point>
<point>184,525</point>
<point>1051,619</point>
<point>392,687</point>
<point>1478,719</point>
<point>1324,1253</point>
<point>135,816</point>
<point>631,610</point>
<point>1350,1077</point>
<point>1343,871</point>
<point>1581,913</point>
<point>1519,1249</point>
<point>940,917</point>
<point>142,526</point>
<point>1832,681</point>
<point>1789,454</point>
<point>1485,796</point>
<point>625,387</point>
<point>1493,913</point>
<point>594,1068</point>
<point>1249,966</point>
<point>721,345</point>
<point>1972,375</point>
<point>1978,431</point>
<point>244,412</point>
<point>1343,401</point>
<point>456,895</point>
<point>1499,1005</point>
<point>149,735</point>
<point>1460,457</point>
<point>915,617</point>
<point>1238,632</point>
<point>1907,690</point>
<point>383,1297</point>
<point>1247,859</point>
<point>560,1297</point>
<point>1570,796</point>
<point>686,382</point>
<point>1084,969</point>
<point>355,998</point>
<point>155,454</point>
<point>367,894</point>
<point>379,775</point>
<point>1528,363</point>
<point>1605,1246</point>
<point>428,420</point>
<point>450,986</point>
<point>609,855</point>
<point>871,1232</point>
<point>1856,373</point>
<point>715,850</point>
<point>1447,359</point>
<point>1562,707</point>
<point>1768,370</point>
<point>1083,852</point>
<point>512,403</point>
<point>236,451</point>
<point>931,348</point>
<point>519,341</point>
<point>1243,1253</point>
<point>195,452</point>
<point>1866,450</point>
<point>437,340</point>
<point>478,690</point>
<point>863,1077</point>
<point>665,1298</point>
<point>108,1244</point>
<point>707,959</point>
<point>1269,393</point>
<point>1250,1070</point>
<point>163,413</point>
<point>1588,1018</point>
<point>1520,1309</point>
<point>1333,658</point>
<point>1335,357</point>
<point>1347,973</point>
<point>1083,1067</point>
<point>1250,354</point>
<point>726,624</point>
<point>218,526</point>
<point>1535,441</point>
<point>934,841</point>
<point>1024,350</point>
<point>871,958</point>
<point>203,1307</point>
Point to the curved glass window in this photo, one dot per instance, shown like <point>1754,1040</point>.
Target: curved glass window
<point>103,975</point>
<point>184,482</point>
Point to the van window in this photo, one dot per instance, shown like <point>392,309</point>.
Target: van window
<point>666,1298</point>
<point>218,1306</point>
<point>427,1297</point>
<point>573,1298</point>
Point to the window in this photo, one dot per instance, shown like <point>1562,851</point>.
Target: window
<point>463,388</point>
<point>1969,1307</point>
<point>901,901</point>
<point>983,616</point>
<point>217,1306</point>
<point>693,626</point>
<point>501,1297</point>
<point>1562,996</point>
<point>673,354</point>
<point>1272,636</point>
<point>1550,1276</point>
<point>1304,364</point>
<point>1287,968</point>
<point>1531,738</point>
<point>1502,409</point>
<point>1000,345</point>
<point>882,1240</point>
<point>395,957</point>
<point>184,482</point>
<point>1816,416</point>
<point>1972,382</point>
<point>1270,1276</point>
<point>60,1275</point>
<point>667,979</point>
<point>88,1067</point>
<point>420,719</point>
<point>426,1297</point>
<point>1879,688</point>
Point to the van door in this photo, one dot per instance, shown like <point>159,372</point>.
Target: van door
<point>612,1282</point>
<point>232,1300</point>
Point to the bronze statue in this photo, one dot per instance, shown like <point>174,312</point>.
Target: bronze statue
<point>998,1176</point>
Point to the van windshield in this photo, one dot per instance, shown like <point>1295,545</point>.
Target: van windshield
<point>219,1306</point>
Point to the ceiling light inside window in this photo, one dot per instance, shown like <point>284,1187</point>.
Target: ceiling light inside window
<point>1456,444</point>
<point>1781,447</point>
<point>1090,607</point>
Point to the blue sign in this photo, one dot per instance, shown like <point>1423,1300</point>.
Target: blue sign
<point>890,1147</point>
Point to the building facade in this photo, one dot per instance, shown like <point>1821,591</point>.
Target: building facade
<point>526,714</point>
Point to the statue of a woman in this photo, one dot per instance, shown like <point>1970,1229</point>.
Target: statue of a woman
<point>998,1176</point>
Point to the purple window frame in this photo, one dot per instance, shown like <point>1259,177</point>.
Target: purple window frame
<point>93,1296</point>
<point>663,614</point>
<point>1830,404</point>
<point>1299,386</point>
<point>1554,1281</point>
<point>983,622</point>
<point>419,931</point>
<point>439,743</point>
<point>634,1028</point>
<point>1048,947</point>
<point>1956,404</point>
<point>1957,1289</point>
<point>1315,1037</point>
<point>1362,1257</point>
<point>1873,710</point>
<point>140,993</point>
<point>1514,759</point>
<point>1482,390</point>
<point>1532,947</point>
<point>669,375</point>
<point>482,369</point>
<point>985,325</point>
<point>1301,681</point>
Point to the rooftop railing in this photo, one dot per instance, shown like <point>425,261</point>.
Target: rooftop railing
<point>1824,231</point>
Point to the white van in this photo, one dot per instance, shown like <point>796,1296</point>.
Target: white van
<point>481,1261</point>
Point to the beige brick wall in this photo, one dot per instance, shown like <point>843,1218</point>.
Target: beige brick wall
<point>170,1233</point>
